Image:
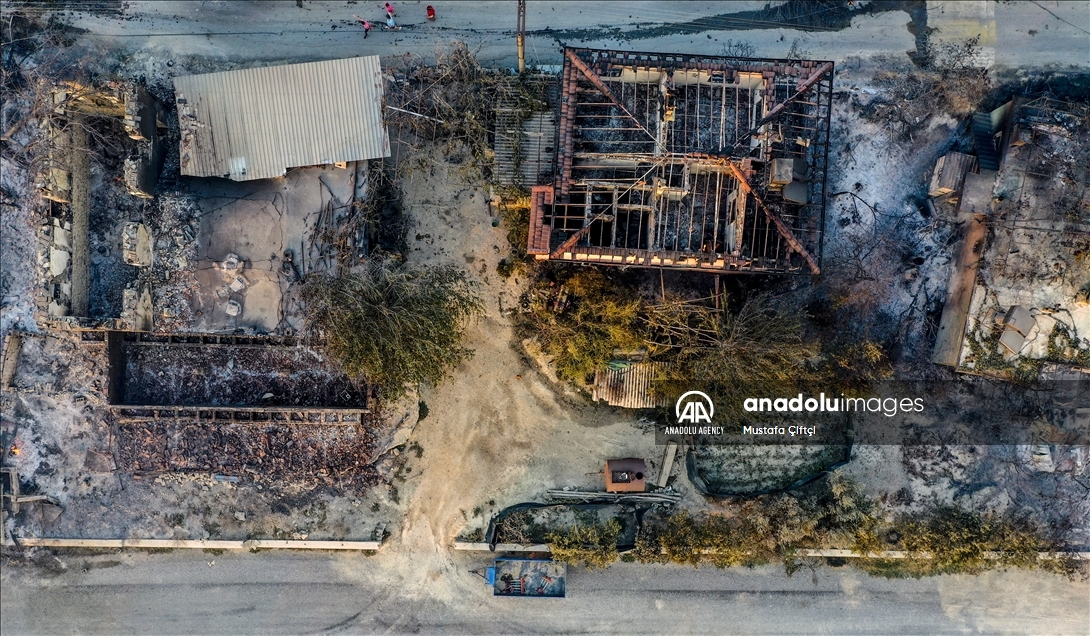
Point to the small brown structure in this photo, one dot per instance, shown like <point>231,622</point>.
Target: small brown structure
<point>626,475</point>
<point>949,173</point>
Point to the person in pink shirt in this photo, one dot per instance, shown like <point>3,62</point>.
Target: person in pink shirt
<point>366,26</point>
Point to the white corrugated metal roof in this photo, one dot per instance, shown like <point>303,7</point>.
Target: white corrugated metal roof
<point>257,123</point>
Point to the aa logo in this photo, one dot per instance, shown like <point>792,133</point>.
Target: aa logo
<point>694,407</point>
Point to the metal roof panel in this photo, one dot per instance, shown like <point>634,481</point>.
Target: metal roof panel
<point>256,123</point>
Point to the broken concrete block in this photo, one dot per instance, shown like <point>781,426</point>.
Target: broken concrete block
<point>58,261</point>
<point>1019,319</point>
<point>231,264</point>
<point>57,310</point>
<point>238,284</point>
<point>782,172</point>
<point>62,236</point>
<point>136,308</point>
<point>50,512</point>
<point>98,462</point>
<point>136,244</point>
<point>144,311</point>
<point>1011,341</point>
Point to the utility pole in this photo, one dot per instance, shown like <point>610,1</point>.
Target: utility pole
<point>522,36</point>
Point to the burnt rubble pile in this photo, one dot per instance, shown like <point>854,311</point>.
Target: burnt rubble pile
<point>175,228</point>
<point>274,376</point>
<point>340,454</point>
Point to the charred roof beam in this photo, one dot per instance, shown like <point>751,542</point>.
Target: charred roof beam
<point>602,88</point>
<point>788,235</point>
<point>800,90</point>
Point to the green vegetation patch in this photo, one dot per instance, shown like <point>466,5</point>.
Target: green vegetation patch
<point>750,468</point>
<point>830,513</point>
<point>396,326</point>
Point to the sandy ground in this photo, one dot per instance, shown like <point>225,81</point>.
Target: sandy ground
<point>499,430</point>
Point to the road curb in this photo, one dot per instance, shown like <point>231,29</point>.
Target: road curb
<point>826,553</point>
<point>500,547</point>
<point>171,544</point>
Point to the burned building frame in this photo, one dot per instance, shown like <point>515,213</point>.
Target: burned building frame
<point>702,163</point>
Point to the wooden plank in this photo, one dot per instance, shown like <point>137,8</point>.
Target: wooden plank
<point>788,235</point>
<point>959,296</point>
<point>13,346</point>
<point>667,464</point>
<point>602,88</point>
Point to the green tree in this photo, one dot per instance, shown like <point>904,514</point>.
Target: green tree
<point>601,318</point>
<point>758,351</point>
<point>396,326</point>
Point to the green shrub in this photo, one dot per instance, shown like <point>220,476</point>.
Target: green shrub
<point>760,350</point>
<point>601,318</point>
<point>594,544</point>
<point>515,216</point>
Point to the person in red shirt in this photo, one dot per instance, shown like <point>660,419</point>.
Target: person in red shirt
<point>390,10</point>
<point>431,12</point>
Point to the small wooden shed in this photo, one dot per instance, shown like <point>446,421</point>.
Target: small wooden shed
<point>949,173</point>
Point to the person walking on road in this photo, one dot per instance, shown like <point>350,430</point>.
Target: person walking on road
<point>431,12</point>
<point>390,10</point>
<point>366,25</point>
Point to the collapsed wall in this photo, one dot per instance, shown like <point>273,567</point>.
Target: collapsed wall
<point>65,178</point>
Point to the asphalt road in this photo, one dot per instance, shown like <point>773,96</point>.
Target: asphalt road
<point>1042,33</point>
<point>297,593</point>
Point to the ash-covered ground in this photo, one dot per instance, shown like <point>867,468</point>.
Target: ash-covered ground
<point>237,376</point>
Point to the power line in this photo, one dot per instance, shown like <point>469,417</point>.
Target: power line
<point>1059,18</point>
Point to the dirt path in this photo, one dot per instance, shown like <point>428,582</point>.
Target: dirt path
<point>490,417</point>
<point>499,431</point>
<point>482,429</point>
